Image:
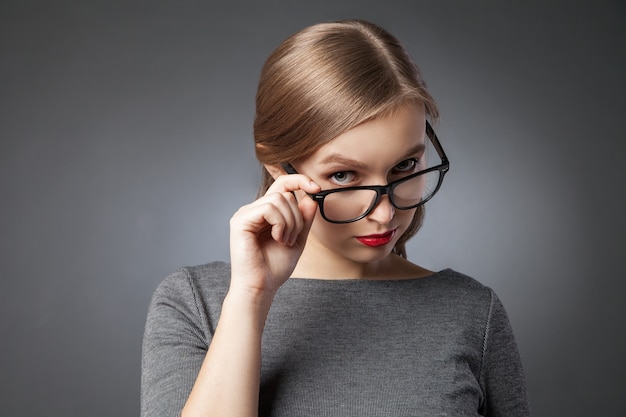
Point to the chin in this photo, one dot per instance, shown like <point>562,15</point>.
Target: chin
<point>365,255</point>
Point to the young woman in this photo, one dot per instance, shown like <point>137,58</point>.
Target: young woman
<point>319,313</point>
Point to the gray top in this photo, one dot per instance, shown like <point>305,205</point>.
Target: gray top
<point>435,346</point>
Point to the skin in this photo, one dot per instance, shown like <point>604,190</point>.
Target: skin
<point>281,235</point>
<point>346,258</point>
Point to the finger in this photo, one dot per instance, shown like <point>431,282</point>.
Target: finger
<point>293,182</point>
<point>296,227</point>
<point>290,184</point>
<point>287,228</point>
<point>291,216</point>
<point>271,212</point>
<point>275,212</point>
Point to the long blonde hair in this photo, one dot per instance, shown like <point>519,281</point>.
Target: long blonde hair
<point>326,79</point>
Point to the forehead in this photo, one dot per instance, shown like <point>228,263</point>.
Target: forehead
<point>380,142</point>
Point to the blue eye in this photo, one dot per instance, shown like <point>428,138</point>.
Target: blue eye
<point>342,177</point>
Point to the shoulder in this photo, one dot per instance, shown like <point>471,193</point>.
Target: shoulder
<point>470,298</point>
<point>451,286</point>
<point>458,279</point>
<point>213,275</point>
<point>194,286</point>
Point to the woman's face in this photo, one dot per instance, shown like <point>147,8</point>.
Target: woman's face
<point>374,153</point>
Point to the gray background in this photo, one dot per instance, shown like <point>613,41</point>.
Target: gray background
<point>125,133</point>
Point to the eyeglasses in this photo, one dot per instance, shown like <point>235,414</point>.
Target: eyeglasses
<point>349,204</point>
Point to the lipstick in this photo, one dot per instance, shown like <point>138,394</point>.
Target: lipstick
<point>377,240</point>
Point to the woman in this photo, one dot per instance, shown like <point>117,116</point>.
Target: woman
<point>319,312</point>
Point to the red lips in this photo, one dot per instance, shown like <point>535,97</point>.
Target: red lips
<point>378,239</point>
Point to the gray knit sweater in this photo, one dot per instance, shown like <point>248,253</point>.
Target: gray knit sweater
<point>435,346</point>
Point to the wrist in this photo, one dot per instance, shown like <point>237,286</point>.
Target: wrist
<point>249,300</point>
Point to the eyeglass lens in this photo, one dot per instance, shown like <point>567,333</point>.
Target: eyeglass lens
<point>347,205</point>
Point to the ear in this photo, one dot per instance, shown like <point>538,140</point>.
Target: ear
<point>274,170</point>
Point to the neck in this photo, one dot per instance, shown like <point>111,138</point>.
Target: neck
<point>318,262</point>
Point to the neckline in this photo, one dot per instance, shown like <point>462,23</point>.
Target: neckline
<point>428,277</point>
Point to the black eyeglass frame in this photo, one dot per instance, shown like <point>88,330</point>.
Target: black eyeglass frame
<point>381,190</point>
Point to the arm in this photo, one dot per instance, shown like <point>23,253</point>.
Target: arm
<point>267,238</point>
<point>502,375</point>
<point>228,382</point>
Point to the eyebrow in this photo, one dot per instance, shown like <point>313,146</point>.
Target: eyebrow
<point>340,159</point>
<point>335,158</point>
<point>419,148</point>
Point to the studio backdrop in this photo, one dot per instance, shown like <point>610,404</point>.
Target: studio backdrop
<point>126,145</point>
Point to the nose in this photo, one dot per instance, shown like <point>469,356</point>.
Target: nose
<point>383,212</point>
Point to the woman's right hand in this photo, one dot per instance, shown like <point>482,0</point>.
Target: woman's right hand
<point>267,236</point>
<point>266,240</point>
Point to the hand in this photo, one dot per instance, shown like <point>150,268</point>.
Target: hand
<point>267,236</point>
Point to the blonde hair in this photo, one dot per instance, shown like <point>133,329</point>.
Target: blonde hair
<point>326,79</point>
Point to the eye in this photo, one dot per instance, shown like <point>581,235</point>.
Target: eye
<point>407,165</point>
<point>342,177</point>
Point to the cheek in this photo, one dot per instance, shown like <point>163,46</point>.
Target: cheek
<point>406,215</point>
<point>330,234</point>
<point>322,228</point>
<point>405,218</point>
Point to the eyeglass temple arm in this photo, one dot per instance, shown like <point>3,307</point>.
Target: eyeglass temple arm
<point>430,132</point>
<point>288,168</point>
